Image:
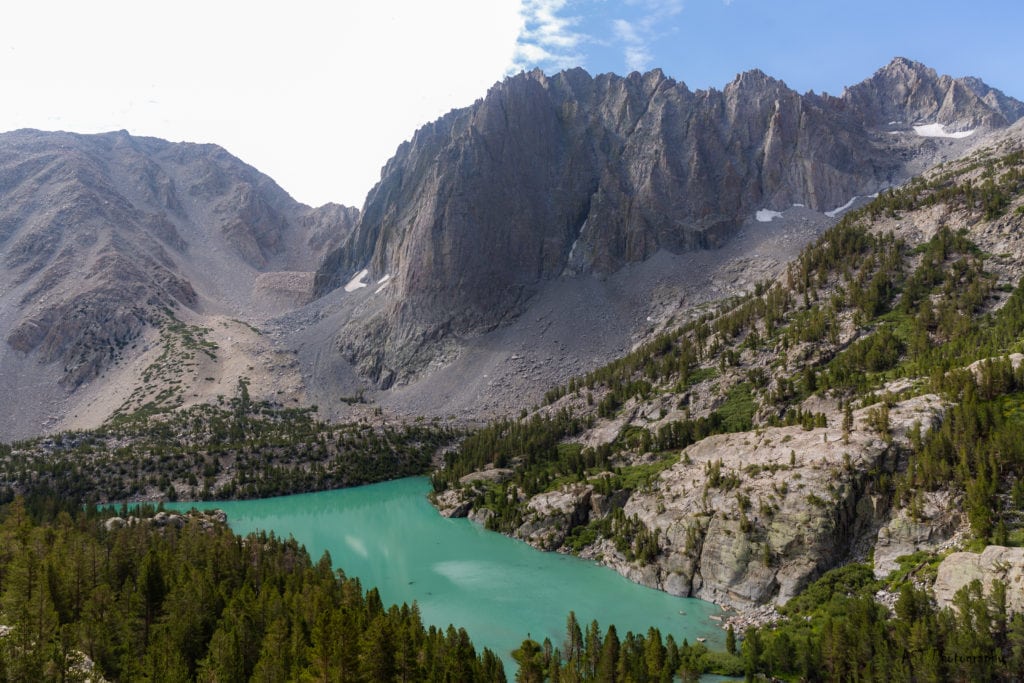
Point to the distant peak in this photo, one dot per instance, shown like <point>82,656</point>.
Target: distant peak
<point>754,79</point>
<point>751,75</point>
<point>902,65</point>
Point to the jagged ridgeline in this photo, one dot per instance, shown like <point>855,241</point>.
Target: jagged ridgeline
<point>583,200</point>
<point>238,449</point>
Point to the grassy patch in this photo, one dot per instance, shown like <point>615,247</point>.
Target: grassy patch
<point>919,566</point>
<point>701,375</point>
<point>737,412</point>
<point>639,476</point>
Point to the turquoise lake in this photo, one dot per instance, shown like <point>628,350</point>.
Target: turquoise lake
<point>497,588</point>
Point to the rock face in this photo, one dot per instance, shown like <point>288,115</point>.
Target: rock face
<point>741,519</point>
<point>102,235</point>
<point>906,534</point>
<point>995,563</point>
<point>792,516</point>
<point>551,176</point>
<point>551,515</point>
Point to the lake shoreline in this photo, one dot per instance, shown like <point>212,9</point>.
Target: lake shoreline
<point>390,537</point>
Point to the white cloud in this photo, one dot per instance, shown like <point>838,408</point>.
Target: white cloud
<point>638,58</point>
<point>316,95</point>
<point>625,31</point>
<point>636,36</point>
<point>546,38</point>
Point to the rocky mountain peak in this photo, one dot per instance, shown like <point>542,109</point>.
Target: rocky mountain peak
<point>754,79</point>
<point>907,92</point>
<point>547,180</point>
<point>562,175</point>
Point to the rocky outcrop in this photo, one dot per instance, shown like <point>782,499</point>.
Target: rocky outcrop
<point>995,563</point>
<point>741,519</point>
<point>549,516</point>
<point>206,519</point>
<point>453,503</point>
<point>551,176</point>
<point>908,532</point>
<point>746,519</point>
<point>458,502</point>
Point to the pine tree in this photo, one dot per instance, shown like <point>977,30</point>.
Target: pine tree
<point>609,659</point>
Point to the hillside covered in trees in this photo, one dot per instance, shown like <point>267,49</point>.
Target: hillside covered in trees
<point>192,601</point>
<point>236,450</point>
<point>758,450</point>
<point>883,368</point>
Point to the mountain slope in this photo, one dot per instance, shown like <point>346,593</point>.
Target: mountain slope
<point>103,237</point>
<point>866,403</point>
<point>550,177</point>
<point>509,245</point>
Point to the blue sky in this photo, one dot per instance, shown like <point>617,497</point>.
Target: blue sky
<point>319,94</point>
<point>820,45</point>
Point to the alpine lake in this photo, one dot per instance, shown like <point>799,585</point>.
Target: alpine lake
<point>499,589</point>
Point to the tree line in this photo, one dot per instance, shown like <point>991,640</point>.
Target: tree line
<point>198,603</point>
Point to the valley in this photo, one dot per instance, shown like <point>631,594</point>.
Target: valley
<point>753,347</point>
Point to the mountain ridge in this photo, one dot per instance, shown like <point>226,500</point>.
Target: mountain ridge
<point>103,237</point>
<point>485,224</point>
<point>571,174</point>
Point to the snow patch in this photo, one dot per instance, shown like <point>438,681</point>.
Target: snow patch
<point>383,282</point>
<point>800,205</point>
<point>357,282</point>
<point>839,209</point>
<point>767,215</point>
<point>937,130</point>
<point>572,249</point>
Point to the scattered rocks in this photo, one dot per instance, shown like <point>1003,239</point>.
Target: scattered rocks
<point>763,615</point>
<point>887,599</point>
<point>207,519</point>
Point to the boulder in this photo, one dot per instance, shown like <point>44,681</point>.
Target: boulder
<point>995,563</point>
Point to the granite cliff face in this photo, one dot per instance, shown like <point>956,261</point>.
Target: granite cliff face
<point>551,176</point>
<point>739,455</point>
<point>784,504</point>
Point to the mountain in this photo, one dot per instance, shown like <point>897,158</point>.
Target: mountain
<point>823,442</point>
<point>864,408</point>
<point>508,246</point>
<point>103,237</point>
<point>908,92</point>
<point>551,177</point>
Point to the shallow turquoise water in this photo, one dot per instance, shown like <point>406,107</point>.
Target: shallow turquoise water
<point>497,588</point>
